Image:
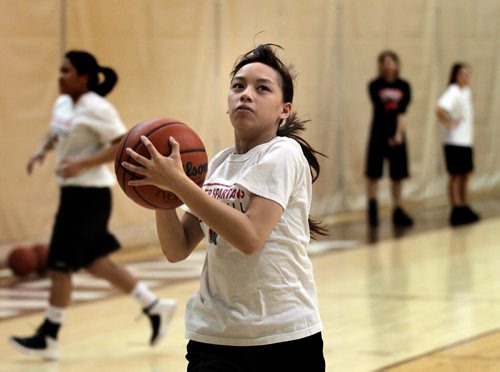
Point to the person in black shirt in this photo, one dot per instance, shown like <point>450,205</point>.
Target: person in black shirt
<point>390,97</point>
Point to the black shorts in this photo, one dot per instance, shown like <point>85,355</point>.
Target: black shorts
<point>80,233</point>
<point>459,159</point>
<point>378,150</point>
<point>305,354</point>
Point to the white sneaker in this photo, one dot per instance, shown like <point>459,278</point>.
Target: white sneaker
<point>39,344</point>
<point>160,313</point>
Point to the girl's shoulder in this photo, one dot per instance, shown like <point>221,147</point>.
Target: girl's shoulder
<point>287,144</point>
<point>94,100</point>
<point>63,100</point>
<point>92,104</point>
<point>403,82</point>
<point>282,150</point>
<point>453,89</point>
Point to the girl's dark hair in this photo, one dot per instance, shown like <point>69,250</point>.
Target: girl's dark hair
<point>86,64</point>
<point>455,69</point>
<point>293,125</point>
<point>392,55</point>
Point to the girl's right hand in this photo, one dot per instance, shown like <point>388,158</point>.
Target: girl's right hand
<point>164,172</point>
<point>454,123</point>
<point>37,157</point>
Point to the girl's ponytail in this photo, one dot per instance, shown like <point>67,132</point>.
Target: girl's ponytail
<point>291,128</point>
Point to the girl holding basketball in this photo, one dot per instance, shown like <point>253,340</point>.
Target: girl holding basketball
<point>85,131</point>
<point>256,309</point>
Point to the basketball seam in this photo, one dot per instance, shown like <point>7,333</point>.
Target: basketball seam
<point>193,150</point>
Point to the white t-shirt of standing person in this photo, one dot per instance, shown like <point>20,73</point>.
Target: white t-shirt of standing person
<point>458,103</point>
<point>268,296</point>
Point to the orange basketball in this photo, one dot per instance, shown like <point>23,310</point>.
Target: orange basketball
<point>41,251</point>
<point>22,261</point>
<point>193,155</point>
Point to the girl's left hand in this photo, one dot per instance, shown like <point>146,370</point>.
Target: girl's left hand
<point>396,140</point>
<point>69,167</point>
<point>161,171</point>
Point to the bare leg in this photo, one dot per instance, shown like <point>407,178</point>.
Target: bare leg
<point>371,188</point>
<point>60,289</point>
<point>117,275</point>
<point>159,311</point>
<point>454,190</point>
<point>399,217</point>
<point>462,188</point>
<point>396,188</point>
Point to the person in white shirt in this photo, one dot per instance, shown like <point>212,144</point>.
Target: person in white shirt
<point>85,131</point>
<point>456,114</point>
<point>256,309</point>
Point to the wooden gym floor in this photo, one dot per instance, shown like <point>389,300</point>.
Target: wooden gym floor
<point>423,299</point>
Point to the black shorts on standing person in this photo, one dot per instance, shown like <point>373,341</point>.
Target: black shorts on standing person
<point>459,159</point>
<point>378,152</point>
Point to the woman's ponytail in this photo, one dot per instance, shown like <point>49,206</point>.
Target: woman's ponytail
<point>107,85</point>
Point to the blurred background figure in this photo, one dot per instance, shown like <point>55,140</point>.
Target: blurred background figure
<point>456,114</point>
<point>390,96</point>
<point>85,131</point>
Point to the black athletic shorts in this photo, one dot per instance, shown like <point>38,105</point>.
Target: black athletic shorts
<point>305,354</point>
<point>459,159</point>
<point>80,233</point>
<point>378,150</point>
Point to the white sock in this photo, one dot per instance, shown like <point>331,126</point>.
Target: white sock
<point>143,295</point>
<point>55,314</point>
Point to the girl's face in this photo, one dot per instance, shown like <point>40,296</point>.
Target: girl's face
<point>70,82</point>
<point>463,76</point>
<point>255,101</point>
<point>388,67</point>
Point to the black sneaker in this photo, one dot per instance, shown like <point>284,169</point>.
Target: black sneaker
<point>400,218</point>
<point>39,344</point>
<point>463,215</point>
<point>456,218</point>
<point>159,314</point>
<point>472,216</point>
<point>373,212</point>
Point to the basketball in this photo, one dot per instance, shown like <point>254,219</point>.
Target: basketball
<point>41,250</point>
<point>158,131</point>
<point>22,261</point>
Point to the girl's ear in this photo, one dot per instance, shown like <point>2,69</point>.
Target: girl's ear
<point>286,111</point>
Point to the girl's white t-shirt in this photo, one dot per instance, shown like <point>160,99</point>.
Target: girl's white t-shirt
<point>82,129</point>
<point>270,295</point>
<point>458,103</point>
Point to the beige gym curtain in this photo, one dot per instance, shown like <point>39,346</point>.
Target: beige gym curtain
<point>173,58</point>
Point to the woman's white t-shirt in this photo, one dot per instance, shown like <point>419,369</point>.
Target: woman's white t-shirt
<point>458,103</point>
<point>82,129</point>
<point>270,295</point>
